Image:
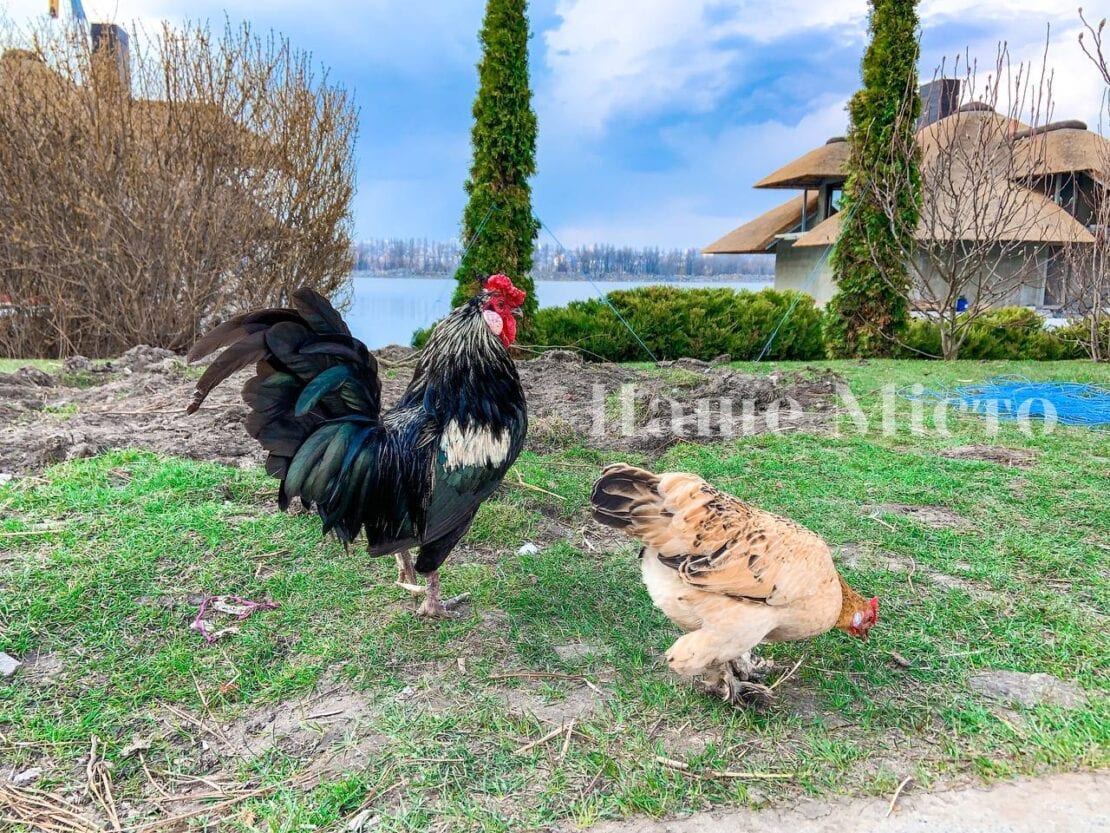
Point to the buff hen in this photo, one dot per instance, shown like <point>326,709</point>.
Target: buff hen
<point>729,574</point>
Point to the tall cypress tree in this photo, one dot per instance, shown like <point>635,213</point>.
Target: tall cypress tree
<point>870,307</point>
<point>498,215</point>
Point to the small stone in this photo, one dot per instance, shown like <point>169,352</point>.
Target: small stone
<point>76,364</point>
<point>8,665</point>
<point>28,776</point>
<point>574,650</point>
<point>137,744</point>
<point>6,477</point>
<point>528,549</point>
<point>80,451</point>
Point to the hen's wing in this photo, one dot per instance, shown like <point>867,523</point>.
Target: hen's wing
<point>716,542</point>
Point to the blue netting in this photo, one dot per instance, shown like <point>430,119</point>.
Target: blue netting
<point>1070,403</point>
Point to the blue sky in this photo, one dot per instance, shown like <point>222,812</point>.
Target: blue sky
<point>655,115</point>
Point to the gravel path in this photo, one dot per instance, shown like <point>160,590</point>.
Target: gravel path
<point>1070,803</point>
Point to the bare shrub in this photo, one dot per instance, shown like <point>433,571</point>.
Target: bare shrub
<point>1088,291</point>
<point>217,178</point>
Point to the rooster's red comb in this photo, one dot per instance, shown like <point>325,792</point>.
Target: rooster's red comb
<point>503,286</point>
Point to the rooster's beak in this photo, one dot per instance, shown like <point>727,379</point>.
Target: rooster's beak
<point>518,313</point>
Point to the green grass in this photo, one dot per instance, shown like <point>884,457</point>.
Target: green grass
<point>124,544</point>
<point>12,365</point>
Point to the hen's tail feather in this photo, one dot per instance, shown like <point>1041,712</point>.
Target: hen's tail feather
<point>625,496</point>
<point>315,401</point>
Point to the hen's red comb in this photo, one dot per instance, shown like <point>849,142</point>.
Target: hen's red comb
<point>502,285</point>
<point>874,608</point>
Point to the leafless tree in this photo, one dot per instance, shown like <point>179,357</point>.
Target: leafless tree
<point>983,234</point>
<point>1088,291</point>
<point>217,176</point>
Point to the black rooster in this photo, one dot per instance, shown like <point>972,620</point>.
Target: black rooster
<point>413,476</point>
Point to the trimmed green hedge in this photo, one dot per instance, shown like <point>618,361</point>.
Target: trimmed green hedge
<point>676,322</point>
<point>706,323</point>
<point>1004,333</point>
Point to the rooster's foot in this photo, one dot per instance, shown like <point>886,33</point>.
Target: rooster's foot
<point>432,608</point>
<point>406,574</point>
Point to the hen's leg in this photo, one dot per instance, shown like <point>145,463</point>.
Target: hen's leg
<point>434,606</point>
<point>406,573</point>
<point>745,679</point>
<point>694,653</point>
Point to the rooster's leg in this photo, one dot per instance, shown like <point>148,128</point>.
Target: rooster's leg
<point>406,574</point>
<point>434,606</point>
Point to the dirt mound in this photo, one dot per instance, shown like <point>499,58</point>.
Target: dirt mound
<point>138,401</point>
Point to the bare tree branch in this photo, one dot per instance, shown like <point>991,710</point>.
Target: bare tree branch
<point>987,227</point>
<point>217,179</point>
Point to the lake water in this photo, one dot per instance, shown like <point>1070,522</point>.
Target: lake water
<point>386,309</point>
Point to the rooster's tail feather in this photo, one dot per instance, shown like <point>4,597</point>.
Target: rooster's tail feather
<point>315,400</point>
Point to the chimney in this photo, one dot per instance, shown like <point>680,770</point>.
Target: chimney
<point>939,99</point>
<point>111,45</point>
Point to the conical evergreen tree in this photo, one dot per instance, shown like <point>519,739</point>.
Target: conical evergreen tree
<point>498,215</point>
<point>870,307</point>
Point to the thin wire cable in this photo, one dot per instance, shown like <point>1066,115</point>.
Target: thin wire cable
<point>603,296</point>
<point>810,280</point>
<point>477,233</point>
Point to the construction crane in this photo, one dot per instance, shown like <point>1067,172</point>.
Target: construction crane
<point>100,36</point>
<point>76,10</point>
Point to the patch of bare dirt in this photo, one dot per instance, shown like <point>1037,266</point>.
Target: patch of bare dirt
<point>1027,690</point>
<point>938,517</point>
<point>577,704</point>
<point>328,732</point>
<point>138,401</point>
<point>1011,457</point>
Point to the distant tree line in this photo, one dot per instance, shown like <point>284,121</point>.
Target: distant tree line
<point>435,257</point>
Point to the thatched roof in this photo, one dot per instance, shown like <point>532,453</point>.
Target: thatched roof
<point>759,235</point>
<point>809,171</point>
<point>974,199</point>
<point>1007,212</point>
<point>1066,148</point>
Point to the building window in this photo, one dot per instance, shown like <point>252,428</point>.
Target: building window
<point>1055,278</point>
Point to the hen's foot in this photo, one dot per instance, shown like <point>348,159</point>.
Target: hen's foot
<point>724,684</point>
<point>742,682</point>
<point>747,694</point>
<point>750,669</point>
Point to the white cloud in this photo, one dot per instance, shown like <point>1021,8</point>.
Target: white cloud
<point>607,59</point>
<point>395,33</point>
<point>707,193</point>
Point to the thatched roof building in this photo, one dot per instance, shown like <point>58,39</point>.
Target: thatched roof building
<point>810,170</point>
<point>996,179</point>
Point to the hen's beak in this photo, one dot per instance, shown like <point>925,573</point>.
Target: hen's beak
<point>518,313</point>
